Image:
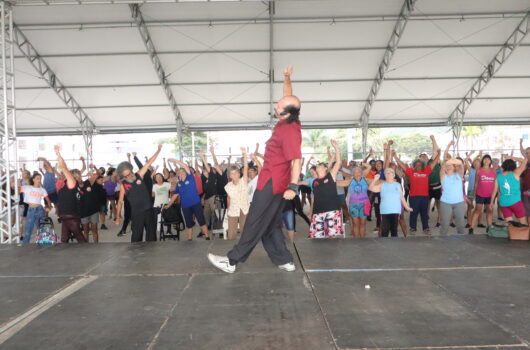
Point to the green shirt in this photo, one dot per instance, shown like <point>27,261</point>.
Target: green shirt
<point>434,177</point>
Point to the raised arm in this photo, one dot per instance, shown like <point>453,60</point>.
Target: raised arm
<point>215,163</point>
<point>370,153</point>
<point>375,185</point>
<point>83,167</point>
<point>435,147</point>
<point>257,162</point>
<point>137,161</point>
<point>387,154</point>
<point>399,162</point>
<point>182,164</point>
<point>436,157</point>
<point>245,164</point>
<point>205,165</point>
<point>287,86</point>
<point>149,162</point>
<point>522,164</point>
<point>447,156</point>
<point>165,170</point>
<point>336,167</point>
<point>523,151</point>
<point>70,180</point>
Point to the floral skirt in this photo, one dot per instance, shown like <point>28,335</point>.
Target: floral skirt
<point>326,225</point>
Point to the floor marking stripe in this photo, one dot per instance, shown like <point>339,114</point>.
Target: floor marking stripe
<point>11,328</point>
<point>496,346</point>
<point>420,269</point>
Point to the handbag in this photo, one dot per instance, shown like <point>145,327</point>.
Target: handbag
<point>518,231</point>
<point>498,231</point>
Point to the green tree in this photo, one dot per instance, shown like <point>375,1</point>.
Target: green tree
<point>411,145</point>
<point>200,142</point>
<point>315,139</point>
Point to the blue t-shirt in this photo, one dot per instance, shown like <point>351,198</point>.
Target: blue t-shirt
<point>49,182</point>
<point>310,181</point>
<point>452,189</point>
<point>187,190</point>
<point>390,198</point>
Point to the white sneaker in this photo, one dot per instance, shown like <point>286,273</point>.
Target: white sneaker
<point>222,263</point>
<point>289,267</point>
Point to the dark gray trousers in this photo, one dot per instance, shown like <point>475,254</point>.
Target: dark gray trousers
<point>263,223</point>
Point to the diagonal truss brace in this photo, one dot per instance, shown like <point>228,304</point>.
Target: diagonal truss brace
<point>88,127</point>
<point>456,119</point>
<point>149,45</point>
<point>399,28</point>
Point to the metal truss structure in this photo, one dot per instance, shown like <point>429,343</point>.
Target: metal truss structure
<point>406,10</point>
<point>87,126</point>
<point>9,175</point>
<point>456,119</point>
<point>150,47</point>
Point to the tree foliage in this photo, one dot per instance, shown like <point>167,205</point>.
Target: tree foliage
<point>200,142</point>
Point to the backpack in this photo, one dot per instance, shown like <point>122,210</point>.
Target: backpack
<point>172,214</point>
<point>46,233</point>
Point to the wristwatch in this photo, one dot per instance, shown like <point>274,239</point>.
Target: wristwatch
<point>294,187</point>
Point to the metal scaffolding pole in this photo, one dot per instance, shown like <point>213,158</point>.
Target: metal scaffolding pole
<point>456,119</point>
<point>155,60</point>
<point>46,73</point>
<point>406,10</point>
<point>9,175</point>
<point>271,62</point>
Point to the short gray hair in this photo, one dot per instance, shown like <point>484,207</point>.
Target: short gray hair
<point>122,167</point>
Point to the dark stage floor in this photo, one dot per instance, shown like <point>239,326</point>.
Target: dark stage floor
<point>450,292</point>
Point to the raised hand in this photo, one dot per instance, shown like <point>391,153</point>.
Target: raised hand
<point>377,177</point>
<point>390,143</point>
<point>57,149</point>
<point>159,147</point>
<point>212,149</point>
<point>82,158</point>
<point>335,144</point>
<point>128,155</point>
<point>243,150</point>
<point>452,143</point>
<point>288,70</point>
<point>134,154</point>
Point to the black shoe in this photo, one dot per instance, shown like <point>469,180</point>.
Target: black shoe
<point>452,225</point>
<point>200,235</point>
<point>369,218</point>
<point>103,227</point>
<point>467,226</point>
<point>500,219</point>
<point>438,224</point>
<point>481,226</point>
<point>121,233</point>
<point>207,238</point>
<point>470,231</point>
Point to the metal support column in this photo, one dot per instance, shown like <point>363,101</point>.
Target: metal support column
<point>162,77</point>
<point>87,125</point>
<point>9,175</point>
<point>399,28</point>
<point>272,9</point>
<point>456,119</point>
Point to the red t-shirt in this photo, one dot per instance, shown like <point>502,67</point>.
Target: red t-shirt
<point>198,183</point>
<point>419,181</point>
<point>284,145</point>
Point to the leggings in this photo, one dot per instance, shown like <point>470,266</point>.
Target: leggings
<point>299,210</point>
<point>389,223</point>
<point>71,226</point>
<point>126,215</point>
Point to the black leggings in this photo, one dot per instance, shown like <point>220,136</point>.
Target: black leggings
<point>299,210</point>
<point>126,215</point>
<point>389,223</point>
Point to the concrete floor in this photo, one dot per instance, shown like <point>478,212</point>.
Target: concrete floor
<point>453,292</point>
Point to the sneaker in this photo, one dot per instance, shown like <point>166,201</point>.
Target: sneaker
<point>289,267</point>
<point>207,238</point>
<point>222,263</point>
<point>470,231</point>
<point>121,233</point>
<point>103,227</point>
<point>452,225</point>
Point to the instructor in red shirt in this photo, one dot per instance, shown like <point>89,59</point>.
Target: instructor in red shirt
<point>277,182</point>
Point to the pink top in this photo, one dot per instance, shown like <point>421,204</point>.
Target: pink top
<point>486,182</point>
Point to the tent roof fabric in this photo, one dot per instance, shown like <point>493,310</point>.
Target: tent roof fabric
<point>216,55</point>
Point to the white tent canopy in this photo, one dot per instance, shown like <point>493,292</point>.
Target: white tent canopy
<point>217,56</point>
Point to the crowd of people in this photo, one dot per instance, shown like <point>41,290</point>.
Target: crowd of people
<point>329,195</point>
<point>332,194</point>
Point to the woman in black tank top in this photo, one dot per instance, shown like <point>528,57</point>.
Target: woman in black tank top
<point>326,218</point>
